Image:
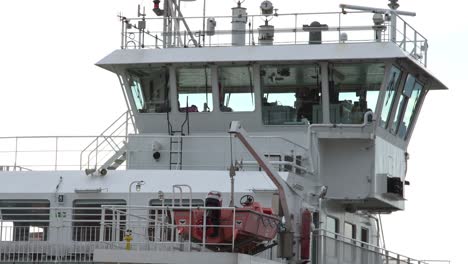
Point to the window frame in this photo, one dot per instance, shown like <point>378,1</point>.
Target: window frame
<point>405,98</point>
<point>337,226</point>
<point>379,99</point>
<point>367,238</point>
<point>127,76</point>
<point>353,237</point>
<point>211,80</point>
<point>385,86</point>
<point>216,81</point>
<point>320,82</point>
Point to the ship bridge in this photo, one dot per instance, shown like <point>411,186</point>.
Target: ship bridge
<point>335,103</point>
<point>355,89</point>
<point>310,116</point>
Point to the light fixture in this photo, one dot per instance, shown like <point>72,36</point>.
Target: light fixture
<point>138,185</point>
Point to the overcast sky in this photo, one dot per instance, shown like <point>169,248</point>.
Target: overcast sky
<point>49,86</point>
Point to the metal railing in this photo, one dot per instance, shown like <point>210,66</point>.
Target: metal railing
<point>411,41</point>
<point>13,168</point>
<point>200,152</point>
<point>119,129</point>
<point>289,29</point>
<point>36,234</point>
<point>330,247</point>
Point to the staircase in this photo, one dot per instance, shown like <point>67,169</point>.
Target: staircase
<point>108,151</point>
<point>119,157</point>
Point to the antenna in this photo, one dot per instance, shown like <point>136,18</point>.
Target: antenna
<point>393,13</point>
<point>139,12</point>
<point>375,10</point>
<point>239,2</point>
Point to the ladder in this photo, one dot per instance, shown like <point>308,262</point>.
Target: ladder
<point>177,140</point>
<point>176,150</point>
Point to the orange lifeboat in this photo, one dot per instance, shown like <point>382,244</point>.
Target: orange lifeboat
<point>247,226</point>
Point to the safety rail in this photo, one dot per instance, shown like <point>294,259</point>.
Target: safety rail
<point>71,234</point>
<point>122,126</point>
<point>42,234</point>
<point>289,29</point>
<point>330,247</point>
<point>65,152</point>
<point>13,168</point>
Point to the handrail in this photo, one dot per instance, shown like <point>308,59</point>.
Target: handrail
<point>288,23</point>
<point>109,232</point>
<point>341,238</point>
<point>126,116</point>
<point>108,144</point>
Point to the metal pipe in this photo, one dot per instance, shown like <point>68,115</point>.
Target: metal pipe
<point>283,188</point>
<point>364,124</point>
<point>204,21</point>
<point>293,164</point>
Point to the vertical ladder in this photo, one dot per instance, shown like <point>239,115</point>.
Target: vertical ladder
<point>177,140</point>
<point>175,150</point>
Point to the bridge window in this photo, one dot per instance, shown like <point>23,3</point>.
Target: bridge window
<point>364,237</point>
<point>24,220</point>
<point>350,231</point>
<point>150,89</point>
<point>392,87</point>
<point>291,94</point>
<point>332,227</point>
<point>236,89</point>
<point>88,221</point>
<point>407,105</point>
<point>194,89</point>
<point>354,90</point>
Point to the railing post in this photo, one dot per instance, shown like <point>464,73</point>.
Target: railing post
<point>96,151</point>
<point>102,224</point>
<point>295,28</point>
<point>204,229</point>
<point>16,152</point>
<point>404,36</point>
<point>114,225</point>
<point>425,52</point>
<point>118,226</point>
<point>394,18</point>
<point>415,42</point>
<point>56,152</point>
<point>126,127</point>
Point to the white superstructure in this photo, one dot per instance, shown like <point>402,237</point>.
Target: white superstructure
<point>301,125</point>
